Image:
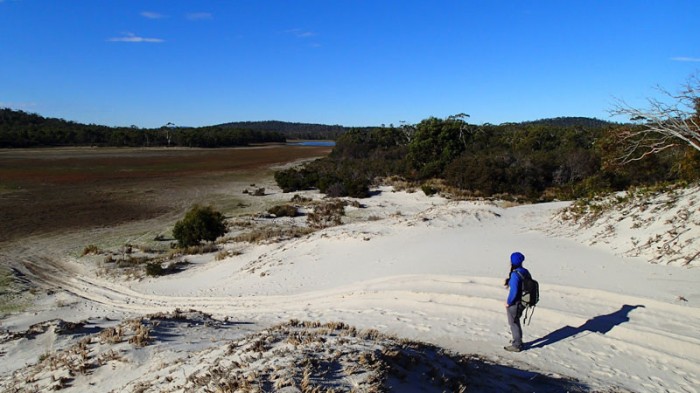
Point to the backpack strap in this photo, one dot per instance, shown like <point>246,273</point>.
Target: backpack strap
<point>527,319</point>
<point>520,283</point>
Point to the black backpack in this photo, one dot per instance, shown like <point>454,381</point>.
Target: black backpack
<point>530,293</point>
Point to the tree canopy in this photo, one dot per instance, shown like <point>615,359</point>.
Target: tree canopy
<point>541,160</point>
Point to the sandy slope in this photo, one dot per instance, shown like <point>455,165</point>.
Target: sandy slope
<point>432,270</point>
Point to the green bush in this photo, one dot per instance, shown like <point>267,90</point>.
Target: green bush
<point>201,223</point>
<point>293,179</point>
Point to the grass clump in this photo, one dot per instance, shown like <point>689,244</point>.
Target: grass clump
<point>271,234</point>
<point>91,249</point>
<point>199,249</point>
<point>283,211</point>
<point>300,199</point>
<point>327,214</point>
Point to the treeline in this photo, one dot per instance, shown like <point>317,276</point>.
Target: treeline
<point>533,161</point>
<point>296,130</point>
<point>571,121</point>
<point>21,129</point>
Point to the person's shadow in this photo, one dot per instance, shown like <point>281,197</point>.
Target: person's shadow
<point>600,324</point>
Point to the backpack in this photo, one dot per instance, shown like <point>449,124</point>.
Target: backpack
<point>530,293</point>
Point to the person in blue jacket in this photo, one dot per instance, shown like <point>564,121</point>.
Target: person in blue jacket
<point>513,306</point>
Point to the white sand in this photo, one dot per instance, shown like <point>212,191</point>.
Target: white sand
<point>431,270</point>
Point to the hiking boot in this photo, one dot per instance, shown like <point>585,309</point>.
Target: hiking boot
<point>513,348</point>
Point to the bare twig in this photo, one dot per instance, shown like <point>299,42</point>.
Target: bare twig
<point>665,124</point>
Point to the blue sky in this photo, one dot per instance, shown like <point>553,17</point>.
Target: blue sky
<point>349,62</point>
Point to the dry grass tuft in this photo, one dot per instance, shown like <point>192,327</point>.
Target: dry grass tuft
<point>223,254</point>
<point>272,233</point>
<point>327,214</point>
<point>301,356</point>
<point>91,250</point>
<point>141,333</point>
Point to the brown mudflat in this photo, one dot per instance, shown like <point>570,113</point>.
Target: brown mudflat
<point>51,191</point>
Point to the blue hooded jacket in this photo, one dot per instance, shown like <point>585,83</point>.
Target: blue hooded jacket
<point>514,295</point>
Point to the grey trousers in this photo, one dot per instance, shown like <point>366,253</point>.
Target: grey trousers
<point>514,313</point>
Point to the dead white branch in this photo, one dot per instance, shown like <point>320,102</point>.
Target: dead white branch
<point>665,124</point>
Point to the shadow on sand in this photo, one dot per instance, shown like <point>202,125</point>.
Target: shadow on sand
<point>600,324</point>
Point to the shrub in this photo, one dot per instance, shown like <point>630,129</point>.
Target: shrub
<point>201,223</point>
<point>335,179</point>
<point>336,186</point>
<point>154,269</point>
<point>327,214</point>
<point>293,179</point>
<point>429,190</point>
<point>283,211</point>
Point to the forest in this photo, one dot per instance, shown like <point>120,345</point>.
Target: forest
<point>543,160</point>
<point>21,129</point>
<point>293,130</point>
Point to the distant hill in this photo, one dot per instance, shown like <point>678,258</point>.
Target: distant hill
<point>587,122</point>
<point>294,130</point>
<point>21,129</point>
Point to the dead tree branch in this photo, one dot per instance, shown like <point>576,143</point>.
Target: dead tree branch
<point>665,124</point>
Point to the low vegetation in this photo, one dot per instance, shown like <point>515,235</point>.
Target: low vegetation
<point>285,210</point>
<point>13,295</point>
<point>156,269</point>
<point>196,232</point>
<point>534,161</point>
<point>91,250</point>
<point>272,233</point>
<point>670,209</point>
<point>297,356</point>
<point>326,214</point>
<point>201,223</point>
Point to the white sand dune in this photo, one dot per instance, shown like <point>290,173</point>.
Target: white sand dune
<point>427,269</point>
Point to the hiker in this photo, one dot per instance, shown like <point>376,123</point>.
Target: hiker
<point>514,306</point>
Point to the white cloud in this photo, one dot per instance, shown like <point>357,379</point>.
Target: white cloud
<point>199,16</point>
<point>131,37</point>
<point>152,15</point>
<point>687,59</point>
